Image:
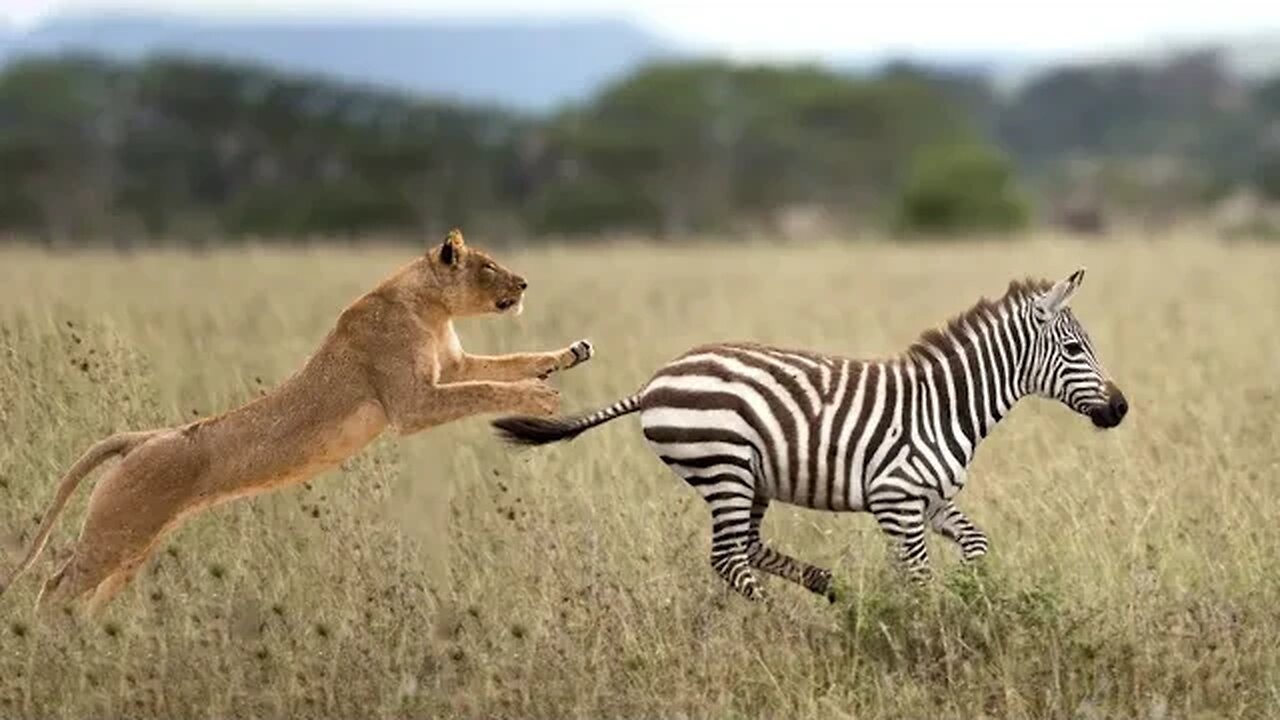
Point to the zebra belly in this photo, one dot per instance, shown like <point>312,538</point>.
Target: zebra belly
<point>705,445</point>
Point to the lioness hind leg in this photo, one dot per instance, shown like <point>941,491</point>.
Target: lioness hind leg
<point>104,575</point>
<point>52,584</point>
<point>128,513</point>
<point>72,582</point>
<point>109,588</point>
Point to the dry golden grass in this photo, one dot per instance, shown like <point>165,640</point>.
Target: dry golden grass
<point>445,575</point>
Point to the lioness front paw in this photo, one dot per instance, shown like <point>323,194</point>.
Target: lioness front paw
<point>538,398</point>
<point>581,351</point>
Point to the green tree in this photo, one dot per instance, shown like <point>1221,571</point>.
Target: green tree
<point>960,188</point>
<point>681,147</point>
<point>59,123</point>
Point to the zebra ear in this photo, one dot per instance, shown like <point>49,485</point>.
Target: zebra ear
<point>1059,296</point>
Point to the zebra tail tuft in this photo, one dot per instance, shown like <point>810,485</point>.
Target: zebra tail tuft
<point>530,430</point>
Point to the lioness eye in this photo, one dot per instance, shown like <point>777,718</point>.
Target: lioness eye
<point>1073,348</point>
<point>490,268</point>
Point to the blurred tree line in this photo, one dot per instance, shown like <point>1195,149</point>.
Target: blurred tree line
<point>92,149</point>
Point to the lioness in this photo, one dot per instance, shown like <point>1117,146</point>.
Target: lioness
<point>392,358</point>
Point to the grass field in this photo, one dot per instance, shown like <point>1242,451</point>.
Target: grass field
<point>1132,573</point>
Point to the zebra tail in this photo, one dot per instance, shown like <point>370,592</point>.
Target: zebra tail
<point>530,430</point>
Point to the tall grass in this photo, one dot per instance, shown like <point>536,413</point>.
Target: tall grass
<point>445,575</point>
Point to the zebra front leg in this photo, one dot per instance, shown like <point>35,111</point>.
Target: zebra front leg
<point>904,521</point>
<point>730,533</point>
<point>950,522</point>
<point>761,556</point>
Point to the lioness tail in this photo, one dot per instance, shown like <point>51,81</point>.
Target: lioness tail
<point>118,444</point>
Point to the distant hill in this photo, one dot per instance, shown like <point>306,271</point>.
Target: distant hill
<point>520,64</point>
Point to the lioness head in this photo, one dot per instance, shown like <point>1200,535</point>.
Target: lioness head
<point>472,282</point>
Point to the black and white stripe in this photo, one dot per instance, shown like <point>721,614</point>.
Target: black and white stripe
<point>746,424</point>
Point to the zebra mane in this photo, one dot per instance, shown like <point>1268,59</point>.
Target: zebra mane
<point>944,339</point>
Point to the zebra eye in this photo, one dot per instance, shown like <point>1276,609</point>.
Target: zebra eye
<point>1073,349</point>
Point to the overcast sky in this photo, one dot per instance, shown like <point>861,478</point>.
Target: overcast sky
<point>801,28</point>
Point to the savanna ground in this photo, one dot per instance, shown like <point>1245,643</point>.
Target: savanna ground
<point>1132,572</point>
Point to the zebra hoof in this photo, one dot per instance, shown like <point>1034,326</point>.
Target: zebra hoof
<point>835,592</point>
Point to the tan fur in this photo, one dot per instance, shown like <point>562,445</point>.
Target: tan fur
<point>391,360</point>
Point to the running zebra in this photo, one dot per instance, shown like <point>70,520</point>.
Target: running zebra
<point>746,424</point>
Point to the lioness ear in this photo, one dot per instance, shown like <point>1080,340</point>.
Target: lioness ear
<point>452,247</point>
<point>1059,296</point>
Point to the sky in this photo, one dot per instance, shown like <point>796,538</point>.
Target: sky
<point>799,28</point>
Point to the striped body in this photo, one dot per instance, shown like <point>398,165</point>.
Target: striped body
<point>816,430</point>
<point>747,424</point>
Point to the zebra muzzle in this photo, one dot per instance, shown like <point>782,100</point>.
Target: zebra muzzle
<point>1113,412</point>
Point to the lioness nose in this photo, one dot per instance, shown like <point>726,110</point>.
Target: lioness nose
<point>524,284</point>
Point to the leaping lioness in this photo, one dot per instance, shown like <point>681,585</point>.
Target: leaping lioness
<point>392,358</point>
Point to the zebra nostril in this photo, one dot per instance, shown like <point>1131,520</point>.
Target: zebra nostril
<point>1122,408</point>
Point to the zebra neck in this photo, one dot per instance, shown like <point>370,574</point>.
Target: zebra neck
<point>986,369</point>
<point>1004,356</point>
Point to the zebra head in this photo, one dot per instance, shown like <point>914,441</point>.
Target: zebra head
<point>1062,363</point>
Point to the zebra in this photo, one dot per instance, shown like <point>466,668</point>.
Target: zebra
<point>746,424</point>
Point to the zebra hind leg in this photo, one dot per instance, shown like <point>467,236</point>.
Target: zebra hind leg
<point>904,521</point>
<point>730,532</point>
<point>761,556</point>
<point>950,522</point>
<point>729,560</point>
<point>734,568</point>
<point>725,481</point>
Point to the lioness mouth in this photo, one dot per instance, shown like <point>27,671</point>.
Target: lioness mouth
<point>507,303</point>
